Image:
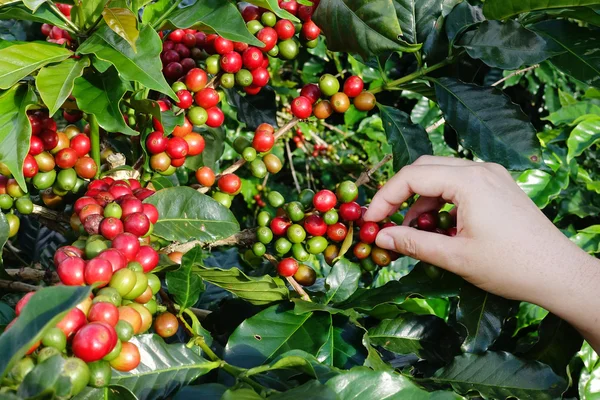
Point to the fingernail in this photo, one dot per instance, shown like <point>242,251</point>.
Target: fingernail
<point>385,241</point>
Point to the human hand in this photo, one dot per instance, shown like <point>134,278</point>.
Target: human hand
<point>504,244</point>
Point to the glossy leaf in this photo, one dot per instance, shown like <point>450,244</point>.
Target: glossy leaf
<point>366,384</point>
<point>489,124</point>
<point>42,15</point>
<point>462,17</point>
<point>111,392</point>
<point>409,141</point>
<point>298,360</point>
<point>342,281</point>
<point>7,314</point>
<point>313,390</point>
<point>186,214</point>
<point>427,336</point>
<point>207,391</point>
<point>507,45</point>
<point>85,13</point>
<point>581,57</point>
<point>500,375</point>
<point>568,114</point>
<point>583,136</point>
<point>543,187</point>
<point>417,18</point>
<point>168,119</point>
<point>19,60</point>
<point>46,380</point>
<point>163,369</point>
<point>221,17</point>
<point>55,82</point>
<point>15,129</point>
<point>274,331</point>
<point>33,4</point>
<point>183,284</point>
<point>44,310</point>
<point>144,66</point>
<point>503,9</point>
<point>214,139</point>
<point>343,347</point>
<point>255,290</point>
<point>254,110</point>
<point>370,27</point>
<point>482,314</point>
<point>123,22</point>
<point>100,94</point>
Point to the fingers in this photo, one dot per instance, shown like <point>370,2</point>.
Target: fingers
<point>436,160</point>
<point>440,250</point>
<point>427,180</point>
<point>422,205</point>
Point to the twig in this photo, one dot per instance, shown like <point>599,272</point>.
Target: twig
<point>519,72</point>
<point>15,252</point>
<point>333,128</point>
<point>433,127</point>
<point>365,177</point>
<point>213,82</point>
<point>238,164</point>
<point>50,214</point>
<point>289,155</point>
<point>167,301</point>
<point>33,274</point>
<point>244,238</point>
<point>18,286</point>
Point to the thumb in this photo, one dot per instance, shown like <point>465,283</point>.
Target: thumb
<point>434,248</point>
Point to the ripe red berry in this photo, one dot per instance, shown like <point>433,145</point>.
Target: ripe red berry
<point>260,78</point>
<point>182,50</point>
<point>30,166</point>
<point>353,86</point>
<point>287,267</point>
<point>36,146</point>
<point>252,90</point>
<point>207,98</point>
<point>215,117</point>
<point>137,224</point>
<point>111,227</point>
<point>368,232</point>
<point>285,29</point>
<point>452,231</point>
<point>66,158</point>
<point>104,312</point>
<point>427,221</point>
<point>337,232</point>
<point>315,225</point>
<point>70,271</point>
<point>115,257</point>
<point>305,12</point>
<point>310,30</point>
<point>269,37</point>
<point>173,70</point>
<point>128,244</point>
<point>301,107</point>
<point>21,303</point>
<point>290,6</point>
<point>231,62</point>
<point>205,176</point>
<point>196,79</point>
<point>49,138</point>
<point>185,99</point>
<point>156,142</point>
<point>311,92</point>
<point>177,147</point>
<point>81,144</point>
<point>148,257</point>
<point>230,183</point>
<point>279,226</point>
<point>324,200</point>
<point>263,141</point>
<point>350,211</point>
<point>151,212</point>
<point>176,35</point>
<point>222,45</point>
<point>252,58</point>
<point>250,13</point>
<point>189,40</point>
<point>94,341</point>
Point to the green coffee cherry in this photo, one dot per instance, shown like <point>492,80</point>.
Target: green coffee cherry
<point>275,199</point>
<point>264,218</point>
<point>282,246</point>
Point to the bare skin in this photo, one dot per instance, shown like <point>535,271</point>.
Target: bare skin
<point>505,245</point>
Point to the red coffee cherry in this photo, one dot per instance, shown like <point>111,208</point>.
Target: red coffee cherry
<point>324,200</point>
<point>287,267</point>
<point>301,107</point>
<point>368,232</point>
<point>353,86</point>
<point>230,184</point>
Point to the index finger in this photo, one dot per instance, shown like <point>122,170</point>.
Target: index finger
<point>425,180</point>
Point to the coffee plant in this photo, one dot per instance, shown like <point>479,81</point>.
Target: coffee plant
<point>183,185</point>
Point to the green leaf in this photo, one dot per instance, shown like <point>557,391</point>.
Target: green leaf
<point>427,336</point>
<point>15,129</point>
<point>366,384</point>
<point>581,58</point>
<point>144,66</point>
<point>123,22</point>
<point>273,5</point>
<point>4,231</point>
<point>154,11</point>
<point>44,310</point>
<point>482,314</point>
<point>254,110</point>
<point>255,290</point>
<point>557,343</point>
<point>507,45</point>
<point>585,14</point>
<point>501,375</point>
<point>343,346</point>
<point>489,124</point>
<point>19,60</point>
<point>186,214</point>
<point>463,17</point>
<point>342,281</point>
<point>207,391</point>
<point>100,94</point>
<point>312,390</point>
<point>46,380</point>
<point>184,285</point>
<point>221,17</point>
<point>7,313</point>
<point>417,18</point>
<point>409,141</point>
<point>298,360</point>
<point>528,315</point>
<point>214,145</point>
<point>583,136</point>
<point>568,114</point>
<point>55,82</point>
<point>42,15</point>
<point>274,331</point>
<point>370,27</point>
<point>163,369</point>
<point>33,4</point>
<point>504,9</point>
<point>168,119</point>
<point>111,392</point>
<point>89,11</point>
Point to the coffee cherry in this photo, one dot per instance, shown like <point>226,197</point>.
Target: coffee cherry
<point>329,85</point>
<point>243,78</point>
<point>368,232</point>
<point>264,235</point>
<point>305,275</point>
<point>111,227</point>
<point>350,211</point>
<point>362,250</point>
<point>347,192</point>
<point>353,86</point>
<point>263,141</point>
<point>452,231</point>
<point>365,101</point>
<point>316,245</point>
<point>310,30</point>
<point>273,163</point>
<point>196,79</point>
<point>279,226</point>
<point>269,37</point>
<point>289,49</point>
<point>197,116</point>
<point>283,246</point>
<point>285,29</point>
<point>315,225</point>
<point>207,98</point>
<point>260,77</point>
<point>195,143</point>
<point>295,211</point>
<point>324,200</point>
<point>445,220</point>
<point>290,6</point>
<point>296,233</point>
<point>337,232</point>
<point>173,70</point>
<point>427,221</point>
<point>222,45</point>
<point>258,168</point>
<point>340,102</point>
<point>311,92</point>
<point>205,176</point>
<point>287,267</point>
<point>231,62</point>
<point>300,252</point>
<point>252,58</point>
<point>301,107</point>
<point>215,117</point>
<point>381,257</point>
<point>254,26</point>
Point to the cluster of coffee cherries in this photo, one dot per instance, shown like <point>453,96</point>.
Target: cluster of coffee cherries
<point>168,152</point>
<point>258,152</point>
<point>57,35</point>
<point>308,103</point>
<point>441,222</point>
<point>114,207</point>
